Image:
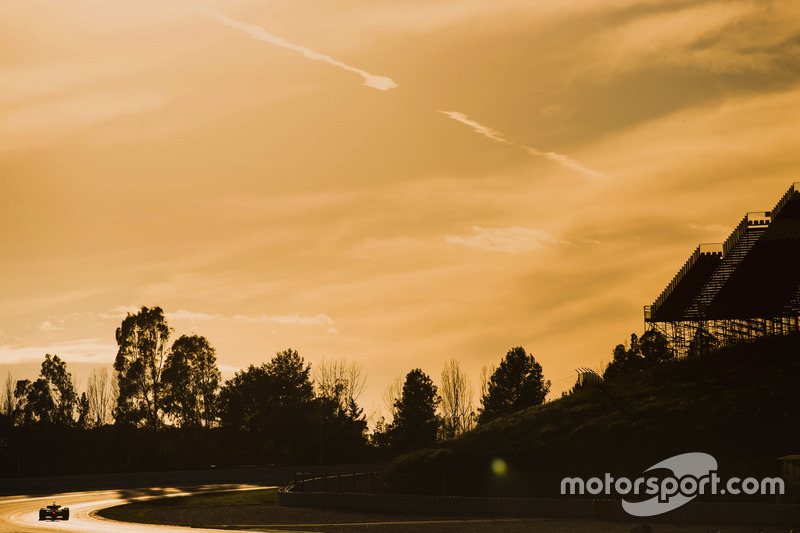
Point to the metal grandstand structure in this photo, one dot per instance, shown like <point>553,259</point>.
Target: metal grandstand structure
<point>739,290</point>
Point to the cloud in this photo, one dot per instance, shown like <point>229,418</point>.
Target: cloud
<point>477,127</point>
<point>48,326</point>
<point>565,161</point>
<point>318,319</point>
<point>77,351</point>
<point>382,83</point>
<point>29,125</point>
<point>514,240</point>
<point>119,311</point>
<point>496,136</point>
<point>709,228</point>
<point>183,314</point>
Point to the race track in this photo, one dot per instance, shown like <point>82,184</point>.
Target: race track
<point>20,514</point>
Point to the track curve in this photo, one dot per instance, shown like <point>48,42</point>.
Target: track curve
<point>20,514</point>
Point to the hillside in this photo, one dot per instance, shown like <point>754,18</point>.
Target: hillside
<point>740,404</point>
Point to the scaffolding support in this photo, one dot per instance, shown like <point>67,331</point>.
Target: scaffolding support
<point>743,289</point>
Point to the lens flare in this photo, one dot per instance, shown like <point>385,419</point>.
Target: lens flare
<point>499,466</point>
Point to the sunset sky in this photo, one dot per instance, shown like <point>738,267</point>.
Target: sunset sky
<point>395,182</point>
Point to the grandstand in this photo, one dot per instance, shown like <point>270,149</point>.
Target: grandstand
<point>744,288</point>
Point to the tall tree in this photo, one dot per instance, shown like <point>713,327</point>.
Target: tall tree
<point>83,412</point>
<point>24,403</point>
<point>273,404</point>
<point>100,398</point>
<point>391,396</point>
<point>341,383</point>
<point>457,408</point>
<point>191,380</point>
<point>517,383</point>
<point>51,399</point>
<point>8,402</point>
<point>341,422</point>
<point>416,423</point>
<point>143,340</point>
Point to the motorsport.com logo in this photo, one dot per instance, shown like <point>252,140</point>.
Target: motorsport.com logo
<point>693,474</point>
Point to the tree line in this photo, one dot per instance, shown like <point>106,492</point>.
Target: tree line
<point>653,349</point>
<point>164,406</point>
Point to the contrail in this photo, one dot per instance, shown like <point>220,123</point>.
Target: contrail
<point>381,83</point>
<point>494,135</point>
<point>479,128</point>
<point>384,83</point>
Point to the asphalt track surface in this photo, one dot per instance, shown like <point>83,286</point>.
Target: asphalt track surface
<point>20,514</point>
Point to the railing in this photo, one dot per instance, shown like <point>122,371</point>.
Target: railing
<point>435,484</point>
<point>336,481</point>
<point>776,211</point>
<point>703,249</point>
<point>750,220</point>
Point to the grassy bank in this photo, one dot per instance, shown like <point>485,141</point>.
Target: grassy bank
<point>739,404</point>
<point>179,510</point>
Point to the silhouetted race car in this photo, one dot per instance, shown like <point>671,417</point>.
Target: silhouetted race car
<point>54,512</point>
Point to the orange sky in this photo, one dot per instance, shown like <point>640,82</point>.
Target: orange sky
<point>394,182</point>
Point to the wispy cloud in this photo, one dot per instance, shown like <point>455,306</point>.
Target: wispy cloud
<point>496,136</point>
<point>381,83</point>
<point>319,319</point>
<point>77,351</point>
<point>477,126</point>
<point>709,228</point>
<point>49,326</point>
<point>514,240</point>
<point>183,314</point>
<point>119,311</point>
<point>41,121</point>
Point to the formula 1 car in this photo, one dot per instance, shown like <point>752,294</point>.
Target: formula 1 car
<point>54,512</point>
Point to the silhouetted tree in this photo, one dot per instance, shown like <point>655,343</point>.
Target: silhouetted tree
<point>650,350</point>
<point>83,412</point>
<point>655,348</point>
<point>23,414</point>
<point>517,383</point>
<point>8,402</point>
<point>142,339</point>
<point>702,343</point>
<point>391,396</point>
<point>272,406</point>
<point>415,423</point>
<point>342,424</point>
<point>342,383</point>
<point>51,399</point>
<point>100,396</point>
<point>380,437</point>
<point>457,411</point>
<point>191,382</point>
